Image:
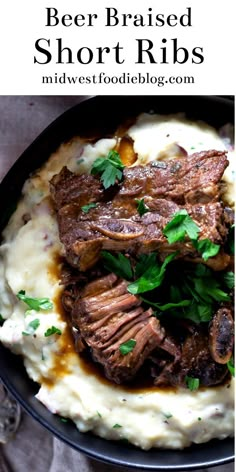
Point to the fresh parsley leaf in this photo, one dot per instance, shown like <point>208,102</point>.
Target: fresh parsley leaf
<point>199,419</point>
<point>109,168</point>
<point>99,414</point>
<point>127,347</point>
<point>116,426</point>
<point>36,304</point>
<point>228,279</point>
<point>64,420</point>
<point>1,320</point>
<point>52,330</point>
<point>175,294</point>
<point>31,327</point>
<point>201,270</point>
<point>209,289</point>
<point>204,312</point>
<point>88,207</point>
<point>192,383</point>
<point>142,208</point>
<point>152,277</point>
<point>119,264</point>
<point>145,262</point>
<point>206,248</point>
<point>198,313</point>
<point>230,365</point>
<point>181,225</point>
<point>202,283</point>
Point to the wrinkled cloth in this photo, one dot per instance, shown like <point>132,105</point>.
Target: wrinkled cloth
<point>22,118</point>
<point>34,449</point>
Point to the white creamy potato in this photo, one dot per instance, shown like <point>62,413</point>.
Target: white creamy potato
<point>168,418</point>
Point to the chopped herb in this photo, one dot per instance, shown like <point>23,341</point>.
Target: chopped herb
<point>118,264</point>
<point>198,313</point>
<point>110,168</point>
<point>52,330</point>
<point>1,320</point>
<point>127,347</point>
<point>99,414</point>
<point>142,208</point>
<point>199,419</point>
<point>31,327</point>
<point>79,161</point>
<point>145,262</point>
<point>230,365</point>
<point>206,248</point>
<point>167,415</point>
<point>180,226</point>
<point>116,426</point>
<point>208,289</point>
<point>36,304</point>
<point>64,420</point>
<point>88,207</point>
<point>192,383</point>
<point>152,277</point>
<point>228,279</point>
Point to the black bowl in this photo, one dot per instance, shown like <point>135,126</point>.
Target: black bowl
<point>102,115</point>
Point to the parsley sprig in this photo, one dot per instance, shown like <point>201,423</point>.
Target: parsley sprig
<point>152,276</point>
<point>182,225</point>
<point>31,327</point>
<point>190,291</point>
<point>119,264</point>
<point>110,168</point>
<point>86,208</point>
<point>51,331</point>
<point>206,247</point>
<point>36,304</point>
<point>127,347</point>
<point>149,272</point>
<point>141,207</point>
<point>192,383</point>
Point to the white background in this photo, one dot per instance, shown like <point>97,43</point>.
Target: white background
<point>23,22</point>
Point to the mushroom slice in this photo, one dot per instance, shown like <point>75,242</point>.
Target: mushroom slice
<point>221,336</point>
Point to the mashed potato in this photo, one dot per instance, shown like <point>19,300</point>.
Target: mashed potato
<point>30,262</point>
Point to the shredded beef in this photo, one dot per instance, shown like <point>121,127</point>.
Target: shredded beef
<point>107,316</point>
